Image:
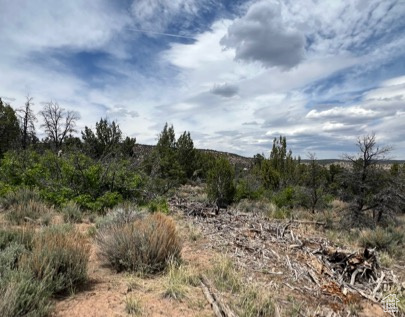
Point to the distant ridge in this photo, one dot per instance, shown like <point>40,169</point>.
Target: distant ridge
<point>141,151</point>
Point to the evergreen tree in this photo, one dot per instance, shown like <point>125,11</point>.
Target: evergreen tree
<point>9,128</point>
<point>105,141</point>
<point>220,186</point>
<point>186,154</point>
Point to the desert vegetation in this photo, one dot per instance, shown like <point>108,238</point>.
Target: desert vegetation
<point>64,198</point>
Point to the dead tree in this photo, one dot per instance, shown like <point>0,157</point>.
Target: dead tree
<point>369,184</point>
<point>58,122</point>
<point>27,118</point>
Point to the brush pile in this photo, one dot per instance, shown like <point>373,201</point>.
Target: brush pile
<point>309,265</point>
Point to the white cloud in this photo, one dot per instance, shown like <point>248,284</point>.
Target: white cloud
<point>262,36</point>
<point>355,112</point>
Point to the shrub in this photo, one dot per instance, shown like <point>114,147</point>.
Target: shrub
<point>22,236</point>
<point>119,216</point>
<point>23,295</point>
<point>145,245</point>
<point>30,210</point>
<point>285,198</point>
<point>59,256</point>
<point>159,205</point>
<point>391,239</point>
<point>9,257</point>
<point>21,196</point>
<point>72,213</point>
<point>109,200</point>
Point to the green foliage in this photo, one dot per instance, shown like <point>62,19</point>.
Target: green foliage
<point>186,154</point>
<point>9,128</point>
<point>94,185</point>
<point>163,164</point>
<point>159,205</point>
<point>285,197</point>
<point>220,187</point>
<point>248,187</point>
<point>145,245</point>
<point>105,141</point>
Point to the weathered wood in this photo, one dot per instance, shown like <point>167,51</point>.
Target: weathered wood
<point>221,307</point>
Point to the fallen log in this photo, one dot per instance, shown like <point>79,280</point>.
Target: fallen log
<point>218,305</point>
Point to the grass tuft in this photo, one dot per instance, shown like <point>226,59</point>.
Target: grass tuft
<point>225,275</point>
<point>133,306</point>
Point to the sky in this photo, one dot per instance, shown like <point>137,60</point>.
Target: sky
<point>234,73</point>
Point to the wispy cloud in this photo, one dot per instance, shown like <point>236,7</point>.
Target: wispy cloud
<point>235,74</point>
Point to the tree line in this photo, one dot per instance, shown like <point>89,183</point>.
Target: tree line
<point>100,169</point>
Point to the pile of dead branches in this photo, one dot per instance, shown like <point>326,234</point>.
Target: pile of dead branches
<point>305,264</point>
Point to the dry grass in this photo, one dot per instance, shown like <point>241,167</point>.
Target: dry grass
<point>146,245</point>
<point>59,256</point>
<point>225,275</point>
<point>30,211</point>
<point>178,278</point>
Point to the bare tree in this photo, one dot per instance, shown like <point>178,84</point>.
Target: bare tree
<point>58,122</point>
<point>370,186</point>
<point>27,118</point>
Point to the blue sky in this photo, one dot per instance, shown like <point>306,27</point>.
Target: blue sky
<point>235,74</point>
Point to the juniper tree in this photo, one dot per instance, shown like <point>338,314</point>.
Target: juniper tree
<point>9,128</point>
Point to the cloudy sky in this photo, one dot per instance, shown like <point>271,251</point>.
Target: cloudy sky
<point>234,73</point>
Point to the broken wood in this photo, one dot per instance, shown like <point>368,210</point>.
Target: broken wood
<point>218,305</point>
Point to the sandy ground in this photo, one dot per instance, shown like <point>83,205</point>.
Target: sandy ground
<point>106,292</point>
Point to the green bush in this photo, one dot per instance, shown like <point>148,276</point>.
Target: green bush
<point>159,205</point>
<point>285,197</point>
<point>22,236</point>
<point>145,245</point>
<point>23,295</point>
<point>220,187</point>
<point>72,213</point>
<point>246,189</point>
